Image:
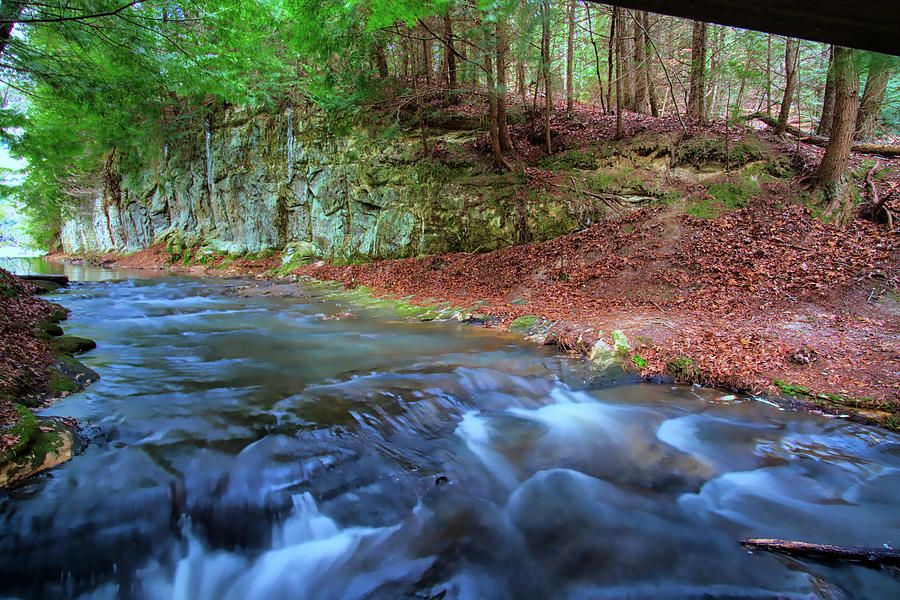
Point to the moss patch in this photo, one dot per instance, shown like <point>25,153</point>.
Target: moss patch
<point>525,323</point>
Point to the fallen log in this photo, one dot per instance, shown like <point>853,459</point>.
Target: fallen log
<point>868,556</point>
<point>60,279</point>
<point>818,140</point>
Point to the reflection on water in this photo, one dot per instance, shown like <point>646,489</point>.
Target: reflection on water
<point>256,448</point>
<point>33,265</point>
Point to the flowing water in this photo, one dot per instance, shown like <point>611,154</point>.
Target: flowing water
<point>268,447</point>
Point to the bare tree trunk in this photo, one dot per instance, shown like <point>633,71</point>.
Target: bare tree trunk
<point>824,128</point>
<point>502,51</point>
<point>769,74</point>
<point>648,73</point>
<point>451,58</point>
<point>603,105</point>
<point>570,59</point>
<point>419,113</point>
<point>620,128</point>
<point>611,51</point>
<point>639,101</point>
<point>545,64</point>
<point>404,51</point>
<point>873,96</point>
<point>381,60</point>
<point>427,49</point>
<point>697,95</point>
<point>790,70</point>
<point>832,174</point>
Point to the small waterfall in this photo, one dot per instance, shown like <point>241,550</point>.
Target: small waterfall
<point>165,154</point>
<point>209,179</point>
<point>290,141</point>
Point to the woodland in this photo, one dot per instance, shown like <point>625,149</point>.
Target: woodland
<point>81,79</point>
<point>550,86</point>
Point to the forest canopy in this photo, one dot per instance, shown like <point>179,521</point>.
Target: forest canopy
<point>92,87</point>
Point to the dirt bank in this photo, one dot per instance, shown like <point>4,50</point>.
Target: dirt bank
<point>764,299</point>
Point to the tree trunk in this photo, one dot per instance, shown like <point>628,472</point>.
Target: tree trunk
<point>451,58</point>
<point>832,174</point>
<point>381,60</point>
<point>639,102</point>
<point>790,71</point>
<point>502,51</point>
<point>609,56</point>
<point>620,128</point>
<point>404,51</point>
<point>648,74</point>
<point>697,95</point>
<point>427,50</point>
<point>496,152</point>
<point>570,60</point>
<point>603,105</point>
<point>824,128</point>
<point>769,74</point>
<point>545,64</point>
<point>873,96</point>
<point>10,12</point>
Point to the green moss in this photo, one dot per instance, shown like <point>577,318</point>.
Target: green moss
<point>411,311</point>
<point>683,368</point>
<point>60,384</point>
<point>525,322</point>
<point>24,432</point>
<point>862,403</point>
<point>70,344</point>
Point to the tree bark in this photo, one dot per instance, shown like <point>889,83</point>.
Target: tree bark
<point>832,174</point>
<point>427,49</point>
<point>639,101</point>
<point>570,60</point>
<point>790,70</point>
<point>867,556</point>
<point>603,105</point>
<point>873,96</point>
<point>502,52</point>
<point>648,74</point>
<point>10,12</point>
<point>381,60</point>
<point>697,95</point>
<point>609,57</point>
<point>620,127</point>
<point>824,128</point>
<point>545,64</point>
<point>451,58</point>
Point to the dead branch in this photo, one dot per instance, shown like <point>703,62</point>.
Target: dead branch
<point>864,555</point>
<point>817,140</point>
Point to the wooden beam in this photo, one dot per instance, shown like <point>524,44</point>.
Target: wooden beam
<point>863,24</point>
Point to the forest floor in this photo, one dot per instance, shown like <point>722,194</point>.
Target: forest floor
<point>765,298</point>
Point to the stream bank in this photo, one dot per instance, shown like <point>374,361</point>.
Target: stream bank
<point>37,367</point>
<point>804,312</point>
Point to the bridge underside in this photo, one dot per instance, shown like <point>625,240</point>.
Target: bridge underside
<point>864,24</point>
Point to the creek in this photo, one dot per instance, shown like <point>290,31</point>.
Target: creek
<point>271,447</point>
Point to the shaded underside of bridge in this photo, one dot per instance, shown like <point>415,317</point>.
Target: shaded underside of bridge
<point>864,24</point>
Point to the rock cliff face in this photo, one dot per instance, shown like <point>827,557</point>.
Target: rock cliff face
<point>253,181</point>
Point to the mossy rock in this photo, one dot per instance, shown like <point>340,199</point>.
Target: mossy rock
<point>525,323</point>
<point>70,344</point>
<point>411,311</point>
<point>59,314</point>
<point>68,376</point>
<point>41,445</point>
<point>48,328</point>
